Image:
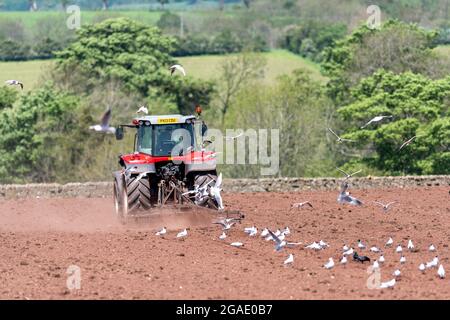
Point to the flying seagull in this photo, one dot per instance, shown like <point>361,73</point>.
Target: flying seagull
<point>347,175</point>
<point>104,123</point>
<point>177,67</point>
<point>345,197</point>
<point>339,139</point>
<point>407,142</point>
<point>161,232</point>
<point>302,204</point>
<point>215,192</point>
<point>385,206</point>
<point>142,109</point>
<point>14,83</point>
<point>279,243</point>
<point>233,137</point>
<point>375,119</point>
<point>225,225</point>
<point>314,246</point>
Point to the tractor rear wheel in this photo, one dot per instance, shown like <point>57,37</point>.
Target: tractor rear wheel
<point>202,180</point>
<point>137,195</point>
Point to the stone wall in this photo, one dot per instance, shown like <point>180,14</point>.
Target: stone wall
<point>104,189</point>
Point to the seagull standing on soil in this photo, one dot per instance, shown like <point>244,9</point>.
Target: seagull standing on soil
<point>237,244</point>
<point>176,67</point>
<point>323,244</point>
<point>361,245</point>
<point>223,236</point>
<point>339,139</point>
<point>433,263</point>
<point>348,252</point>
<point>329,264</point>
<point>142,109</point>
<point>441,272</point>
<point>264,233</point>
<point>397,273</point>
<point>381,259</point>
<point>314,246</point>
<point>389,242</point>
<point>375,265</point>
<point>182,234</point>
<point>399,249</point>
<point>422,267</point>
<point>302,204</point>
<point>402,259</point>
<point>289,260</point>
<point>14,83</point>
<point>345,247</point>
<point>161,232</point>
<point>385,206</point>
<point>343,260</point>
<point>431,248</point>
<point>286,231</point>
<point>388,284</point>
<point>375,119</point>
<point>375,249</point>
<point>104,125</point>
<point>410,245</point>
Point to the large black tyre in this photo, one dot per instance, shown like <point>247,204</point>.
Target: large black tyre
<point>138,194</point>
<point>201,180</point>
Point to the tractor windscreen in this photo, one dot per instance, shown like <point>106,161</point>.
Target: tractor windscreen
<point>163,140</point>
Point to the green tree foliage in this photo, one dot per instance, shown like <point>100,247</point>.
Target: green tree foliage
<point>298,107</point>
<point>419,106</point>
<point>396,46</point>
<point>7,97</point>
<point>134,54</point>
<point>41,135</point>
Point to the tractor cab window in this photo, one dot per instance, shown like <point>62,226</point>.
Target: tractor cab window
<point>145,139</point>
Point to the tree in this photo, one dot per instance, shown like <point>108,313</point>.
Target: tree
<point>7,97</point>
<point>396,46</point>
<point>420,107</point>
<point>236,72</point>
<point>131,53</point>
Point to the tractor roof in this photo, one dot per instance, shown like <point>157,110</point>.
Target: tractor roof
<point>166,119</point>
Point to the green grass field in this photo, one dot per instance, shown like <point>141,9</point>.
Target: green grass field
<point>205,67</point>
<point>444,50</point>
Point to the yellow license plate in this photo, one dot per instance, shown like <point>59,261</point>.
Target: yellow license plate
<point>168,120</point>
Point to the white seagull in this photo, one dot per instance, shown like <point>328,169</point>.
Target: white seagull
<point>385,206</point>
<point>422,267</point>
<point>14,83</point>
<point>348,252</point>
<point>223,236</point>
<point>302,204</point>
<point>431,248</point>
<point>265,232</point>
<point>375,119</point>
<point>388,284</point>
<point>215,192</point>
<point>381,259</point>
<point>237,244</point>
<point>407,142</point>
<point>279,243</point>
<point>348,175</point>
<point>329,264</point>
<point>314,246</point>
<point>375,265</point>
<point>339,139</point>
<point>345,247</point>
<point>361,245</point>
<point>182,234</point>
<point>389,242</point>
<point>104,124</point>
<point>375,249</point>
<point>323,244</point>
<point>233,137</point>
<point>289,260</point>
<point>343,260</point>
<point>397,273</point>
<point>142,109</point>
<point>225,225</point>
<point>399,249</point>
<point>286,231</point>
<point>433,263</point>
<point>402,259</point>
<point>410,245</point>
<point>177,67</point>
<point>161,232</point>
<point>441,272</point>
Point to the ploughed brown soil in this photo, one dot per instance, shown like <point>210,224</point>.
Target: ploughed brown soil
<point>41,238</point>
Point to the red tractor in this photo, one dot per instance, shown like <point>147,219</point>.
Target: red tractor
<point>170,165</point>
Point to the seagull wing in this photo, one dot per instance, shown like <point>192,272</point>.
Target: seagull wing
<point>21,85</point>
<point>106,118</point>
<point>277,240</point>
<point>345,173</point>
<point>329,129</point>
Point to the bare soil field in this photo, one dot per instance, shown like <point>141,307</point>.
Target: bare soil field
<point>40,238</point>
